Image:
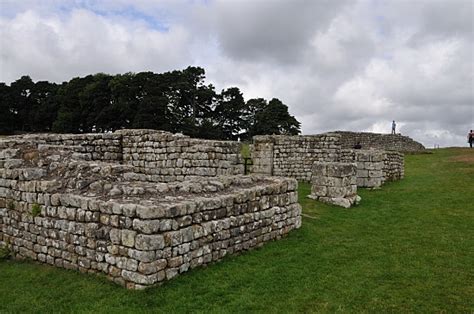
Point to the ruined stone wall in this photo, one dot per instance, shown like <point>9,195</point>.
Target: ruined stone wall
<point>292,156</point>
<point>161,156</point>
<point>92,217</point>
<point>370,165</point>
<point>374,167</point>
<point>369,140</point>
<point>394,166</point>
<point>166,157</point>
<point>93,146</point>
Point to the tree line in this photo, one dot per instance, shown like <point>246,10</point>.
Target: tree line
<point>176,101</point>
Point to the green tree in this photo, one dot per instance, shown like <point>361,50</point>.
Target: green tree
<point>7,115</point>
<point>274,118</point>
<point>253,108</point>
<point>70,117</point>
<point>21,103</point>
<point>229,113</point>
<point>44,106</point>
<point>190,101</point>
<point>95,103</point>
<point>124,102</point>
<point>176,101</point>
<point>152,106</point>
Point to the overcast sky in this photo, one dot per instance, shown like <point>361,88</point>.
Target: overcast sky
<point>338,65</point>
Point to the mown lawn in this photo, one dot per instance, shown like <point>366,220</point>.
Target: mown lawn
<point>408,247</point>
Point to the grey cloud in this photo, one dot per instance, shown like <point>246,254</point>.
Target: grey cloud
<point>352,65</point>
<point>270,30</point>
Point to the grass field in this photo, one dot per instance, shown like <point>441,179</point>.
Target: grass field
<point>408,247</point>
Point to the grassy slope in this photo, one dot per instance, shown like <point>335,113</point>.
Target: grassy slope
<point>407,247</point>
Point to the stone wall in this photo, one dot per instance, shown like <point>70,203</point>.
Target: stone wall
<point>394,166</point>
<point>375,167</point>
<point>166,157</point>
<point>369,140</point>
<point>99,217</point>
<point>370,165</point>
<point>161,156</point>
<point>292,156</point>
<point>93,146</point>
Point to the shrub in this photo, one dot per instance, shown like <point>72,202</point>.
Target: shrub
<point>35,209</point>
<point>4,253</point>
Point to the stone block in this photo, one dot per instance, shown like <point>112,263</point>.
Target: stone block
<point>128,238</point>
<point>147,226</point>
<point>149,242</point>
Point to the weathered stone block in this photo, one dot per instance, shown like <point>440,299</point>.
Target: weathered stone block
<point>149,242</point>
<point>128,238</point>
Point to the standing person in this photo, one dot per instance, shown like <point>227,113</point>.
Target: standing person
<point>470,138</point>
<point>394,125</point>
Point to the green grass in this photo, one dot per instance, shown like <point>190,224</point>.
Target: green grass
<point>408,247</point>
<point>245,150</point>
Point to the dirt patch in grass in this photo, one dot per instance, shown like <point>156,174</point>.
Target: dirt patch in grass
<point>466,157</point>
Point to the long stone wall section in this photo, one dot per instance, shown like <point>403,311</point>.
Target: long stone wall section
<point>166,157</point>
<point>161,156</point>
<point>99,217</point>
<point>92,146</point>
<point>292,156</point>
<point>379,141</point>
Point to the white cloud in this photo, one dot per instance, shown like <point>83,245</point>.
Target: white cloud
<point>60,47</point>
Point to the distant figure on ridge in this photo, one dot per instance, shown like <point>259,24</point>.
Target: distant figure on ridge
<point>358,146</point>
<point>394,125</point>
<point>470,138</point>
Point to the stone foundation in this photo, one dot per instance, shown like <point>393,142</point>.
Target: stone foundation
<point>334,183</point>
<point>59,208</point>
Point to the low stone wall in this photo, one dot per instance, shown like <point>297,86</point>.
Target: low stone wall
<point>92,217</point>
<point>166,157</point>
<point>161,156</point>
<point>379,141</point>
<point>375,167</point>
<point>334,183</point>
<point>93,146</point>
<point>292,156</point>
